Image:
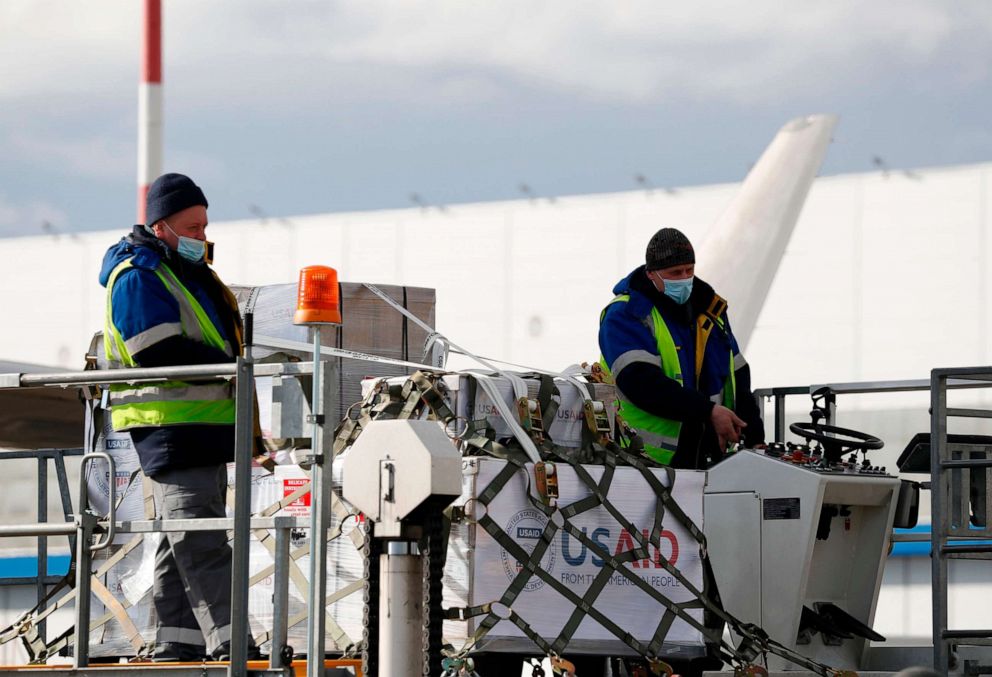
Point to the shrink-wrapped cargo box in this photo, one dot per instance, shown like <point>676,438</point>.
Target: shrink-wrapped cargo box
<point>369,325</point>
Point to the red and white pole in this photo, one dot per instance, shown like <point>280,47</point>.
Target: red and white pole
<point>150,105</point>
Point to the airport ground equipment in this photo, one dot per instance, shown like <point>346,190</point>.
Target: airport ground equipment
<point>401,474</point>
<point>798,537</point>
<point>957,469</point>
<point>86,524</point>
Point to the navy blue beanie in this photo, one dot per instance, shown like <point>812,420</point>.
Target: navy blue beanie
<point>169,194</point>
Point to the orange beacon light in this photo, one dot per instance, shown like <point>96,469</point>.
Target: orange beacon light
<point>317,296</point>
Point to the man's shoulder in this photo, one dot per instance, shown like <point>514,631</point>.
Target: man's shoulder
<point>625,312</point>
<point>139,275</point>
<point>140,259</point>
<point>146,259</point>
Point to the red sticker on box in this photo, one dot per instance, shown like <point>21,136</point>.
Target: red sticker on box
<point>290,486</point>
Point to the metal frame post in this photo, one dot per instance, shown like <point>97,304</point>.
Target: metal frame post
<point>243,434</point>
<point>938,521</point>
<point>84,530</point>
<point>322,446</point>
<point>85,524</point>
<point>40,585</point>
<point>401,613</point>
<point>280,593</point>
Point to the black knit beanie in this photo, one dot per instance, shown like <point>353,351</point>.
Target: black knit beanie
<point>169,194</point>
<point>668,247</point>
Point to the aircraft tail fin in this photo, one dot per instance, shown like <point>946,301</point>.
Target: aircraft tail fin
<point>742,252</point>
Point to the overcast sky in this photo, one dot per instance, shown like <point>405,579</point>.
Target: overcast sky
<point>305,107</point>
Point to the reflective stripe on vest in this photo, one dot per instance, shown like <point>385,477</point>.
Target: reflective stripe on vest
<point>661,435</point>
<point>169,402</point>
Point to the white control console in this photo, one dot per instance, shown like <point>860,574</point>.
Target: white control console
<point>798,545</point>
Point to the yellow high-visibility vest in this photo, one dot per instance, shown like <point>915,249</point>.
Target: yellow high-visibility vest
<point>143,405</point>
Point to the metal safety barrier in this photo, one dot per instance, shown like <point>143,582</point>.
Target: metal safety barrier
<point>86,525</point>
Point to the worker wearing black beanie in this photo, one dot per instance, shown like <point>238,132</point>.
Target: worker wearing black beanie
<point>167,307</point>
<point>169,194</point>
<point>666,341</point>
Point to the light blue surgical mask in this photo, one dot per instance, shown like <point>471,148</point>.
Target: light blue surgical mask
<point>679,290</point>
<point>191,249</point>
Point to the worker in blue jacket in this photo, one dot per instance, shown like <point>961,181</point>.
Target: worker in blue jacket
<point>166,307</point>
<point>683,383</point>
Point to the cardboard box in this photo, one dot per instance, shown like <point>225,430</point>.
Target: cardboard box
<point>369,325</point>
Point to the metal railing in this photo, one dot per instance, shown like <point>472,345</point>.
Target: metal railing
<point>243,371</point>
<point>778,395</point>
<point>951,465</point>
<point>42,578</point>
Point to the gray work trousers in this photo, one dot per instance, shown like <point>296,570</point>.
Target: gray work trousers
<point>192,592</point>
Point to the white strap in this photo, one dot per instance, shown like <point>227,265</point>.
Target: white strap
<point>426,327</point>
<point>570,374</point>
<point>485,382</point>
<point>286,344</point>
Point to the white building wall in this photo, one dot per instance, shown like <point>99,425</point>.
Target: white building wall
<point>885,277</point>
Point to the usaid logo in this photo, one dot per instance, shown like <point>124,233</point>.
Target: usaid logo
<point>119,443</point>
<point>525,528</point>
<point>528,532</point>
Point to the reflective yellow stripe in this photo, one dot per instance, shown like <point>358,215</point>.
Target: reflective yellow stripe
<point>113,342</point>
<point>170,391</point>
<point>208,332</point>
<point>156,414</point>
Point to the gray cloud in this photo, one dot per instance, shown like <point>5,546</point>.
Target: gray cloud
<point>27,218</point>
<point>316,105</point>
<point>637,50</point>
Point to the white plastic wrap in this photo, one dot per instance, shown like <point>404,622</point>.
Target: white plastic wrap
<point>479,570</point>
<point>131,579</point>
<point>565,430</point>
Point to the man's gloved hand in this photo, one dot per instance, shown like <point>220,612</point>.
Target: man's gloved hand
<point>727,425</point>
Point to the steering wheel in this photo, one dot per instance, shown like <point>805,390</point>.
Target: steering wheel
<point>836,441</point>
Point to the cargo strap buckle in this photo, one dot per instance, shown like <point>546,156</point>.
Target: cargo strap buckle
<point>596,420</point>
<point>563,667</point>
<point>536,669</point>
<point>546,479</point>
<point>531,419</point>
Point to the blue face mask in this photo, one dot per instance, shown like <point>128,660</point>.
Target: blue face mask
<point>191,249</point>
<point>678,290</point>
